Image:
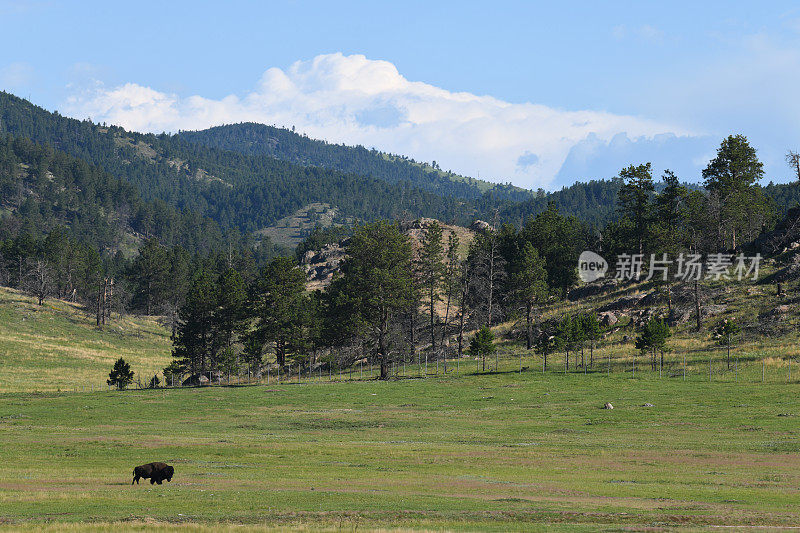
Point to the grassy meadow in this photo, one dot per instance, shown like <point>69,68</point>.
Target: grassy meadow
<point>504,451</point>
<point>58,346</point>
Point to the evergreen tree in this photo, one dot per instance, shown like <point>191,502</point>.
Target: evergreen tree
<point>737,204</point>
<point>482,344</point>
<point>451,281</point>
<point>431,269</point>
<point>591,329</point>
<point>280,307</point>
<point>488,272</point>
<point>528,282</point>
<point>559,240</point>
<point>670,214</point>
<point>634,201</point>
<point>376,284</point>
<point>231,315</point>
<point>197,343</point>
<point>121,375</point>
<point>173,373</point>
<point>566,337</point>
<point>546,343</point>
<point>653,338</point>
<point>150,275</point>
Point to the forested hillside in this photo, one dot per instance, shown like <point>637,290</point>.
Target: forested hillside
<point>246,192</point>
<point>593,202</point>
<point>258,139</point>
<point>42,189</point>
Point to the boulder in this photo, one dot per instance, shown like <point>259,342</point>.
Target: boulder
<point>607,318</point>
<point>608,406</point>
<point>480,226</point>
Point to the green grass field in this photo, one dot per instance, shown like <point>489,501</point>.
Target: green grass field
<point>58,346</point>
<point>504,451</point>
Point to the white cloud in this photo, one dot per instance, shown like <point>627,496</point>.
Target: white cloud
<point>355,100</point>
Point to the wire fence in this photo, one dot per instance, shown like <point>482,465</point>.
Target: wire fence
<point>756,363</point>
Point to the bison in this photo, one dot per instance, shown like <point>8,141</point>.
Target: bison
<point>156,472</point>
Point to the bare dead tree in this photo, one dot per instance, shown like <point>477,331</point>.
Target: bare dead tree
<point>39,278</point>
<point>105,292</point>
<point>793,160</point>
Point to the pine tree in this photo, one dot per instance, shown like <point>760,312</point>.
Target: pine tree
<point>197,343</point>
<point>450,285</point>
<point>482,344</point>
<point>528,285</point>
<point>487,274</point>
<point>653,338</point>
<point>546,343</point>
<point>280,307</point>
<point>731,179</point>
<point>431,270</point>
<point>591,328</point>
<point>150,274</point>
<point>565,337</point>
<point>559,240</point>
<point>121,375</point>
<point>634,201</point>
<point>376,284</point>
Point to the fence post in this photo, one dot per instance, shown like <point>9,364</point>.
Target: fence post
<point>709,368</point>
<point>763,371</point>
<point>684,366</point>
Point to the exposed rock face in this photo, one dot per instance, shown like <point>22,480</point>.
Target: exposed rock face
<point>321,265</point>
<point>608,318</point>
<point>419,223</point>
<point>480,226</point>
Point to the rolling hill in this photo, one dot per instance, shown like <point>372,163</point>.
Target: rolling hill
<point>286,145</point>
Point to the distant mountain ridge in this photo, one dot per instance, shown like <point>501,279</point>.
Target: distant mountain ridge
<point>258,139</point>
<point>239,191</point>
<point>247,177</point>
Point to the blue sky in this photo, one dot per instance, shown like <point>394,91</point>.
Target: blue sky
<point>538,94</point>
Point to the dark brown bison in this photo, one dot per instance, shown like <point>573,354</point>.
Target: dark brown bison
<point>156,472</point>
